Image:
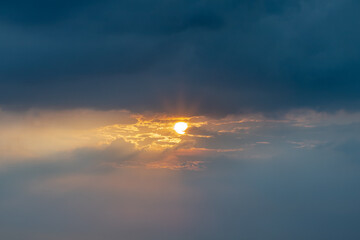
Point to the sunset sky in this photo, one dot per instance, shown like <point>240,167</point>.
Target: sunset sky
<point>267,93</point>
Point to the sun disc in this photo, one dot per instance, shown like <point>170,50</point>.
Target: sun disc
<point>180,127</point>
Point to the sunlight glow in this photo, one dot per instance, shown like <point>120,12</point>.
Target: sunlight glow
<point>180,127</point>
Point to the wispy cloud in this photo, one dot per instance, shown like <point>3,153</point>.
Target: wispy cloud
<point>150,140</point>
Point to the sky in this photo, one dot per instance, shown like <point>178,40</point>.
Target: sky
<point>90,92</point>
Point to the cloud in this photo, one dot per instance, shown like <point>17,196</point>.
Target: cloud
<point>122,138</point>
<point>269,89</point>
<point>272,190</point>
<point>213,58</point>
<point>240,176</point>
<point>37,133</point>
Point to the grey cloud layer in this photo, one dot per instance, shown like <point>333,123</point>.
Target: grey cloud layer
<point>221,57</point>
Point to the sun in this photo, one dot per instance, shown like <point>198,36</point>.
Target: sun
<point>180,127</point>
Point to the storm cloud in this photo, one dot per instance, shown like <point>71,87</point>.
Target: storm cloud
<point>208,56</point>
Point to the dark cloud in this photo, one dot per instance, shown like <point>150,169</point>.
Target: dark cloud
<point>39,12</point>
<point>226,57</point>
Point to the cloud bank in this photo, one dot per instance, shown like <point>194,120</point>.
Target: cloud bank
<point>208,57</point>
